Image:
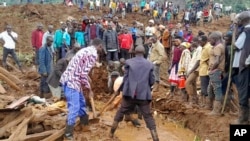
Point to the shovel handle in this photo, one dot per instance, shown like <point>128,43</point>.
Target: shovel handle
<point>107,104</point>
<point>93,106</point>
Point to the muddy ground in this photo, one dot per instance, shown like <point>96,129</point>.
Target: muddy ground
<point>186,123</point>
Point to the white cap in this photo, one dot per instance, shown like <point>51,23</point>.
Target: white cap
<point>151,21</point>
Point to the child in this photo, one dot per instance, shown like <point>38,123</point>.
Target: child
<point>79,36</point>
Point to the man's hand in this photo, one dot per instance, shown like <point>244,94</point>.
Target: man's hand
<point>45,74</point>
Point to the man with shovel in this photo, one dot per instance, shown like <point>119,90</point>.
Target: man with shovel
<point>73,80</point>
<point>137,82</point>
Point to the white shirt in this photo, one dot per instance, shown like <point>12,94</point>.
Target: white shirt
<point>239,44</point>
<point>149,31</point>
<point>187,16</point>
<point>199,14</point>
<point>9,43</point>
<point>196,57</point>
<point>98,2</point>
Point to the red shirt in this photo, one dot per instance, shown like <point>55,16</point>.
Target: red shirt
<point>84,25</point>
<point>37,38</point>
<point>125,41</point>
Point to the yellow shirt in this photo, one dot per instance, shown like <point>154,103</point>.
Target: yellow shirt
<point>204,60</point>
<point>113,5</point>
<point>155,13</point>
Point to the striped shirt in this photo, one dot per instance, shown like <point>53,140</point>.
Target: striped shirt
<point>78,68</point>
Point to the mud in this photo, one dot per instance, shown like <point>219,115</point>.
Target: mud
<point>175,120</point>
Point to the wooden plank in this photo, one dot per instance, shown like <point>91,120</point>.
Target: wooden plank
<point>39,136</point>
<point>8,118</point>
<point>18,102</point>
<point>15,122</point>
<point>10,76</point>
<point>55,136</point>
<point>2,90</point>
<point>9,82</point>
<point>20,132</point>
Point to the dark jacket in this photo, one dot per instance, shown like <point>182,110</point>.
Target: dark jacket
<point>138,78</point>
<point>245,50</point>
<point>55,76</point>
<point>45,60</point>
<point>110,40</point>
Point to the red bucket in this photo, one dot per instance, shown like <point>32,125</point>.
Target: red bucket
<point>182,82</point>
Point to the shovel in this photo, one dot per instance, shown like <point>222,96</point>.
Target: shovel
<point>94,119</point>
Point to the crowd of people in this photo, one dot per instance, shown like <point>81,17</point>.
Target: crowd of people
<point>65,56</point>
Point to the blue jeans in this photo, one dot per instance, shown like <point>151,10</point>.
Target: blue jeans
<point>76,104</point>
<point>244,87</point>
<point>215,86</point>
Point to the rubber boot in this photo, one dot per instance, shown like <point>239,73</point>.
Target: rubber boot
<point>208,103</point>
<point>243,116</point>
<point>68,135</point>
<point>136,122</point>
<point>154,135</point>
<point>216,109</point>
<point>113,128</point>
<point>156,87</point>
<point>84,121</point>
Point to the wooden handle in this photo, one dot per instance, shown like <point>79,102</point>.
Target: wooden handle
<point>107,104</point>
<point>93,106</point>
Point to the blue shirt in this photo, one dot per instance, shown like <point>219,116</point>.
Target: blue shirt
<point>79,36</point>
<point>67,38</point>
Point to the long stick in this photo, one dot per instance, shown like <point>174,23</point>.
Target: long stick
<point>230,69</point>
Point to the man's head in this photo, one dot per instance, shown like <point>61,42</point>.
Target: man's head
<point>8,28</point>
<point>49,41</point>
<point>50,28</point>
<point>40,26</point>
<point>98,44</point>
<point>151,22</point>
<point>114,75</point>
<point>228,38</point>
<point>92,19</point>
<point>243,18</point>
<point>139,50</point>
<point>203,40</point>
<point>195,43</point>
<point>122,61</point>
<point>177,41</point>
<point>109,26</point>
<point>153,39</point>
<point>115,20</point>
<point>215,37</point>
<point>63,26</point>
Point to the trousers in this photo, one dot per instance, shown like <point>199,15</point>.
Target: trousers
<point>191,83</point>
<point>244,87</point>
<point>76,104</point>
<point>128,105</point>
<point>215,85</point>
<point>6,52</point>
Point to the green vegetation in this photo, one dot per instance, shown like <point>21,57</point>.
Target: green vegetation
<point>236,4</point>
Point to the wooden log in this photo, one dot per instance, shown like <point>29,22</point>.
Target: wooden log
<point>20,132</point>
<point>12,66</point>
<point>21,117</point>
<point>39,136</point>
<point>10,76</point>
<point>9,82</point>
<point>55,136</point>
<point>8,118</point>
<point>2,90</point>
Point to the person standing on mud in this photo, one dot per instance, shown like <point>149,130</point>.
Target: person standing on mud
<point>45,65</point>
<point>156,57</point>
<point>136,88</point>
<point>74,80</point>
<point>10,39</point>
<point>242,61</point>
<point>216,67</point>
<point>36,41</point>
<point>50,32</point>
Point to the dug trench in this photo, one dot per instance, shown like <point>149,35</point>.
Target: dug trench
<point>175,120</point>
